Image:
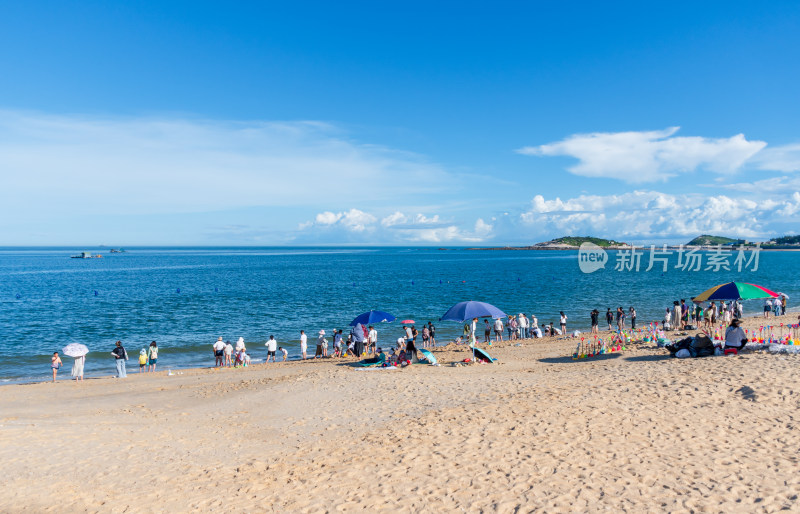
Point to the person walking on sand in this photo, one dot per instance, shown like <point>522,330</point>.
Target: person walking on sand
<point>272,347</point>
<point>498,330</point>
<point>426,336</point>
<point>120,356</point>
<point>77,367</point>
<point>219,351</point>
<point>609,318</point>
<point>303,344</point>
<point>563,323</point>
<point>152,356</point>
<point>487,331</point>
<point>595,314</point>
<point>632,313</point>
<point>432,330</point>
<point>55,363</point>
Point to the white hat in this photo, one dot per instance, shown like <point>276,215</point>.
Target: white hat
<point>322,332</point>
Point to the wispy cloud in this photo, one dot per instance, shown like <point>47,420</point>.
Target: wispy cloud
<point>779,158</point>
<point>80,164</point>
<point>648,156</point>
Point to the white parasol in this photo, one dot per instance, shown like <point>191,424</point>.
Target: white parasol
<point>75,350</point>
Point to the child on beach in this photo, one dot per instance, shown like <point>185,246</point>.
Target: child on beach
<point>284,352</point>
<point>228,354</point>
<point>55,363</point>
<point>142,361</point>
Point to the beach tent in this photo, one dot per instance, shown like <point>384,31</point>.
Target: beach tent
<point>735,291</point>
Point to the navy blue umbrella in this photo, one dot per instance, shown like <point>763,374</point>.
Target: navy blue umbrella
<point>463,311</point>
<point>371,317</point>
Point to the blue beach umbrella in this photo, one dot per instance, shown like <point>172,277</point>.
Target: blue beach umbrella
<point>463,311</point>
<point>371,317</point>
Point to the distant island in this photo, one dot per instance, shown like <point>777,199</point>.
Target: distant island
<point>565,243</point>
<point>708,240</point>
<point>778,243</point>
<point>704,241</point>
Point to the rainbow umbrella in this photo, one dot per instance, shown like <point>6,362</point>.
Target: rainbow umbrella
<point>735,291</point>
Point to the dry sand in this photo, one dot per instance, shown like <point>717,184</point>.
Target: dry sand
<point>632,431</point>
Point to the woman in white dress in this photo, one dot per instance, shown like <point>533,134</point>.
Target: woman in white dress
<point>77,367</point>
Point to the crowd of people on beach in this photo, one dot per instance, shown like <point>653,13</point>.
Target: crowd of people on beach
<point>362,341</point>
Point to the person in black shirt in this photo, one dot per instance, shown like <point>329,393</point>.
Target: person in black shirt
<point>120,356</point>
<point>595,314</point>
<point>609,318</point>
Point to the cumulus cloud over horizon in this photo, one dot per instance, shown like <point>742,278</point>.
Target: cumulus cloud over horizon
<point>358,226</point>
<point>648,156</point>
<point>653,215</point>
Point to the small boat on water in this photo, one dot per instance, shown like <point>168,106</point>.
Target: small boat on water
<point>86,255</point>
<point>114,250</point>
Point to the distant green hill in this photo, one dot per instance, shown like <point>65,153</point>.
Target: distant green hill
<point>787,240</point>
<point>577,241</point>
<point>706,240</point>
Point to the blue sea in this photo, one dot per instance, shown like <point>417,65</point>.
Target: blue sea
<point>184,298</point>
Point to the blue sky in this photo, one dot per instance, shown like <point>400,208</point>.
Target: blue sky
<point>399,123</point>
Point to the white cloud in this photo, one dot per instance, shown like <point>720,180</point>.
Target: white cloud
<point>63,165</point>
<point>361,227</point>
<point>398,220</point>
<point>648,156</point>
<point>780,158</point>
<point>652,216</point>
<point>353,220</point>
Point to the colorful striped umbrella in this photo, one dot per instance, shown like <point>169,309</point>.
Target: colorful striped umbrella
<point>735,291</point>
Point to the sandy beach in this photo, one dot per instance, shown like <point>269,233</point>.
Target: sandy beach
<point>632,431</point>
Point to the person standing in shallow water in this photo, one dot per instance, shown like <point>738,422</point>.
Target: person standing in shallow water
<point>609,318</point>
<point>632,313</point>
<point>595,314</point>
